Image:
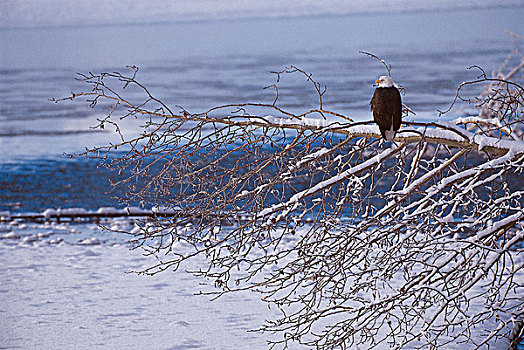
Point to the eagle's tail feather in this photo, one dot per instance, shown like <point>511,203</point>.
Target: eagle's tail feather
<point>389,135</point>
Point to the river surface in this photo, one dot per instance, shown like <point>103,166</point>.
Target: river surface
<point>203,64</point>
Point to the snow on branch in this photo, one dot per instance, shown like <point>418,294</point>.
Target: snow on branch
<point>415,243</point>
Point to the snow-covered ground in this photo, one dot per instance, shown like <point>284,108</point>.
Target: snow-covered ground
<point>68,287</point>
<point>65,286</point>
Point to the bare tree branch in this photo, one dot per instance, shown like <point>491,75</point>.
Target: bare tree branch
<point>416,243</point>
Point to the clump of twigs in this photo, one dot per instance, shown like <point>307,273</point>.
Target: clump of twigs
<point>498,108</point>
<point>413,243</point>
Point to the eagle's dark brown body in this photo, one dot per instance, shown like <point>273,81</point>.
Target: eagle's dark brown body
<point>386,105</point>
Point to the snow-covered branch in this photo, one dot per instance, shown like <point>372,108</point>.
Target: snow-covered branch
<point>357,241</point>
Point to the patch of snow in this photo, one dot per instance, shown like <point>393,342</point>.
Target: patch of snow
<point>448,218</point>
<point>48,213</point>
<point>44,234</point>
<point>71,211</point>
<point>312,156</point>
<point>164,210</point>
<point>56,240</point>
<point>108,210</point>
<point>89,241</point>
<point>30,239</point>
<point>136,230</point>
<point>135,211</point>
<point>10,235</point>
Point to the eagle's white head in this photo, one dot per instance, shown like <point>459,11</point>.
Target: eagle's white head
<point>384,82</point>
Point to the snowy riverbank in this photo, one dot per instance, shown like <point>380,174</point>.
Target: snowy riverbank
<point>67,286</point>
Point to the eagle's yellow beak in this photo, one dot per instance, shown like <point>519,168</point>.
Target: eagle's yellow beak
<point>377,81</point>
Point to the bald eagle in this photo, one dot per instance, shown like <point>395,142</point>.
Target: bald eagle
<point>386,105</point>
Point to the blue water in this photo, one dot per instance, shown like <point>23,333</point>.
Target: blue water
<point>203,64</point>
